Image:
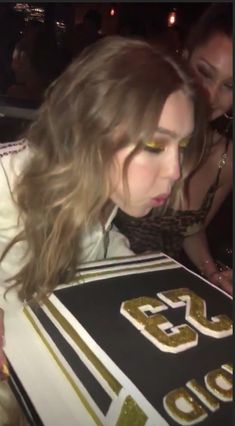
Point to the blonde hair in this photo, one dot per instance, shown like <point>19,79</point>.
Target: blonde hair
<point>110,96</point>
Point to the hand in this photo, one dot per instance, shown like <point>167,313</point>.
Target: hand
<point>223,279</point>
<point>4,373</point>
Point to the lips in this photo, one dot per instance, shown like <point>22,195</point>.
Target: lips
<point>160,199</point>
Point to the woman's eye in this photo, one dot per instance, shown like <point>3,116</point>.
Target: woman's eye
<point>204,72</point>
<point>228,86</point>
<point>154,146</point>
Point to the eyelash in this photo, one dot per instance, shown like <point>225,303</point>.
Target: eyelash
<point>228,86</point>
<point>153,150</point>
<point>158,150</point>
<point>209,77</point>
<point>204,73</point>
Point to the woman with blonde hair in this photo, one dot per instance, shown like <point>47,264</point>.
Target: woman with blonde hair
<point>77,159</point>
<point>117,129</point>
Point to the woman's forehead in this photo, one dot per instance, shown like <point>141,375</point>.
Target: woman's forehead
<point>217,52</point>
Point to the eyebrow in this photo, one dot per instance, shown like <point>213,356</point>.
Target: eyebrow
<point>167,132</point>
<point>213,68</point>
<point>208,64</point>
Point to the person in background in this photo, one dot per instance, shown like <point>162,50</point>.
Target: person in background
<point>35,63</point>
<point>116,129</point>
<point>11,26</point>
<point>209,51</point>
<point>209,54</point>
<point>84,33</point>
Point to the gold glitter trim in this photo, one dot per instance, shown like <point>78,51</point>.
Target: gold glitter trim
<point>196,415</point>
<point>203,395</point>
<point>154,327</point>
<point>219,326</point>
<point>131,414</point>
<point>62,368</point>
<point>228,367</point>
<point>135,268</point>
<point>107,376</point>
<point>213,386</point>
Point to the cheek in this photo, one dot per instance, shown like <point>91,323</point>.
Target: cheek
<point>226,101</point>
<point>142,175</point>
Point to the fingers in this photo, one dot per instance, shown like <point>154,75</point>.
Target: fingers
<point>223,280</point>
<point>228,274</point>
<point>226,284</point>
<point>227,287</point>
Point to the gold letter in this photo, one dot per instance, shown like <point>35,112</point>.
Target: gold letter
<point>219,383</point>
<point>154,327</point>
<point>183,408</point>
<point>219,326</point>
<point>203,395</point>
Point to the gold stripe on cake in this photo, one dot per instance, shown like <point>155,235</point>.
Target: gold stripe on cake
<point>120,271</point>
<point>63,369</point>
<point>107,376</point>
<point>131,414</point>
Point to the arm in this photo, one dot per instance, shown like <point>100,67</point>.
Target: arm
<point>197,249</point>
<point>196,245</point>
<point>224,188</point>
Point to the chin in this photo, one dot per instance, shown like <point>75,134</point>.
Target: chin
<point>215,115</point>
<point>138,212</point>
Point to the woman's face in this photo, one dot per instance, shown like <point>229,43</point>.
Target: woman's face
<point>213,65</point>
<point>153,171</point>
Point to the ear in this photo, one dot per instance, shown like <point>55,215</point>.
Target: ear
<point>185,54</point>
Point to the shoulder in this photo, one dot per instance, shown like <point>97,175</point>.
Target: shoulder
<point>12,158</point>
<point>11,148</point>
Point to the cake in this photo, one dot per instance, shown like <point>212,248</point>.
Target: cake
<point>140,341</point>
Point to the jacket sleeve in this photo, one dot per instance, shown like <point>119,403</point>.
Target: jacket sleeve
<point>10,224</point>
<point>118,245</point>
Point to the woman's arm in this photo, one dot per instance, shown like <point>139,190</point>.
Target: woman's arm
<point>225,187</point>
<point>197,249</point>
<point>196,245</point>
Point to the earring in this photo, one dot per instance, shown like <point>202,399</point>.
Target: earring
<point>230,117</point>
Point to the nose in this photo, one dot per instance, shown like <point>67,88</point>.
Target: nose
<point>212,93</point>
<point>171,169</point>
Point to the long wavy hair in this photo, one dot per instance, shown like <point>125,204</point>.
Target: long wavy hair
<point>112,95</point>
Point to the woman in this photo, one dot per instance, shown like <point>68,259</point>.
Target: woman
<point>109,134</point>
<point>209,53</point>
<point>99,123</point>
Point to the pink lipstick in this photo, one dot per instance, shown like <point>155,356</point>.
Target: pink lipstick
<point>161,199</point>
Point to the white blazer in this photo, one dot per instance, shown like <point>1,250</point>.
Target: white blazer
<point>97,243</point>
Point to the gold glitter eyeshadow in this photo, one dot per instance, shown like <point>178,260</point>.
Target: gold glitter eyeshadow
<point>156,145</point>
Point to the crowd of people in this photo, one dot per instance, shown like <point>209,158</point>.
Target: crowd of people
<point>124,157</point>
